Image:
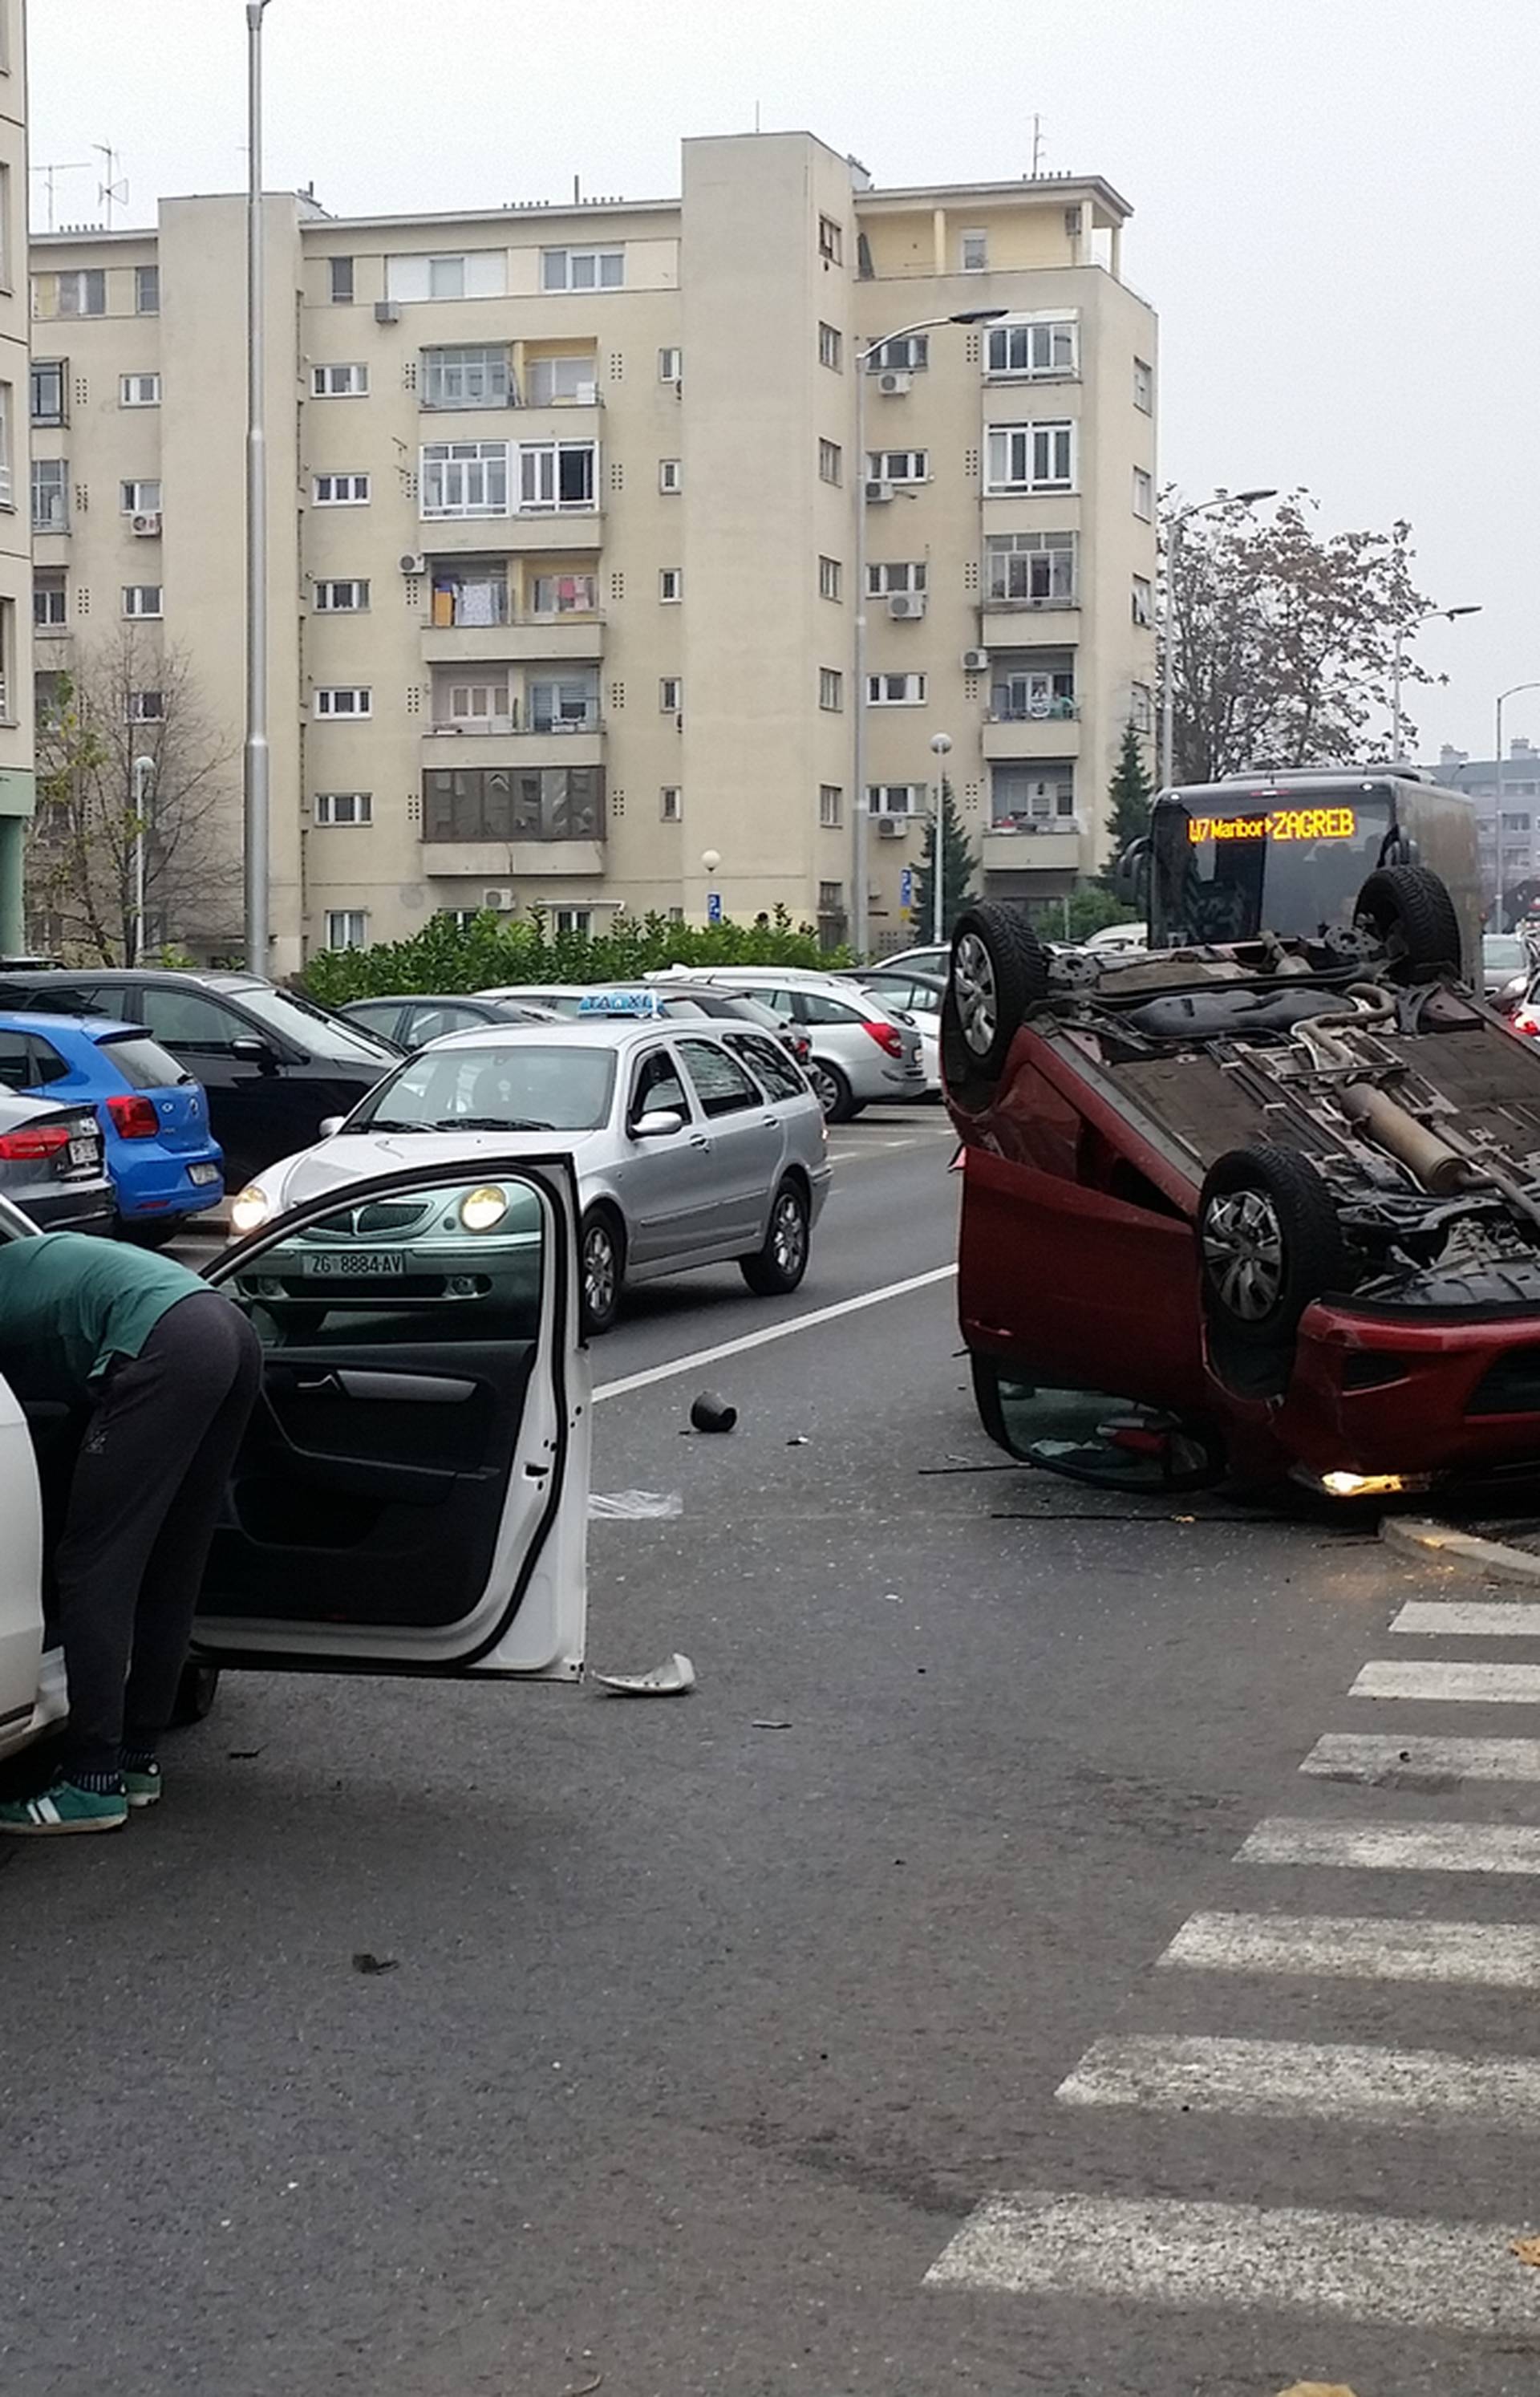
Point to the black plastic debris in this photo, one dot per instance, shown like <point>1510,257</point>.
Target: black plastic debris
<point>712,1413</point>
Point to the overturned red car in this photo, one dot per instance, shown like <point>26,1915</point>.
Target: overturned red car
<point>1265,1207</point>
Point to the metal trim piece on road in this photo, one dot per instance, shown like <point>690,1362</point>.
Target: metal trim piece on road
<point>702,1357</point>
<point>1437,1683</point>
<point>1387,1756</point>
<point>1361,1947</point>
<point>1394,1847</point>
<point>1296,2079</point>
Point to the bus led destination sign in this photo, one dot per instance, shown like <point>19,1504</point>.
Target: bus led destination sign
<point>1284,823</point>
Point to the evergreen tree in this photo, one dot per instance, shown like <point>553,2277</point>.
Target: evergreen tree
<point>1129,794</point>
<point>958,866</point>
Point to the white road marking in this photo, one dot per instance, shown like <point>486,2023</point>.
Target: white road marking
<point>1354,1947</point>
<point>1485,1685</point>
<point>1515,1618</point>
<point>1449,2276</point>
<point>1394,1847</point>
<point>702,1356</point>
<point>1294,2079</point>
<point>1376,1756</point>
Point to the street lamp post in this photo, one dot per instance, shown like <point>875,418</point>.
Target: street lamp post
<point>258,760</point>
<point>1512,692</point>
<point>859,924</point>
<point>1167,661</point>
<point>941,743</point>
<point>144,775</point>
<point>1397,668</point>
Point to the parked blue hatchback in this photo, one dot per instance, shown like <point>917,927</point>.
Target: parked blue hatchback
<point>164,1160</point>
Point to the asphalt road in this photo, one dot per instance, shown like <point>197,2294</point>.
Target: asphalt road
<point>810,2033</point>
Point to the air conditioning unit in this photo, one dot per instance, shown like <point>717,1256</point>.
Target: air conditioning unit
<point>501,901</point>
<point>413,562</point>
<point>893,385</point>
<point>586,396</point>
<point>146,527</point>
<point>906,607</point>
<point>876,491</point>
<point>891,827</point>
<point>386,313</point>
<point>975,661</point>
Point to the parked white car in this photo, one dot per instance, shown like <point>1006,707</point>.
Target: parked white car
<point>863,1053</point>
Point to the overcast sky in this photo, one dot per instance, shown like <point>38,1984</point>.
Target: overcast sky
<point>1336,209</point>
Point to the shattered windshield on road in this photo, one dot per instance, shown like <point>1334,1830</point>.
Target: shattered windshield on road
<point>1226,870</point>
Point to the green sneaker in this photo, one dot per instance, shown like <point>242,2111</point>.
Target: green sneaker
<point>141,1784</point>
<point>64,1807</point>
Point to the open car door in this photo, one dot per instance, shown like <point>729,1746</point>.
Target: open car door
<point>21,1578</point>
<point>411,1496</point>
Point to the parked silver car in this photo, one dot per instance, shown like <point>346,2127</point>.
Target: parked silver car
<point>52,1163</point>
<point>863,1050</point>
<point>693,1144</point>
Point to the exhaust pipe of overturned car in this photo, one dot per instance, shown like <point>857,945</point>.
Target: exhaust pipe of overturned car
<point>1437,1166</point>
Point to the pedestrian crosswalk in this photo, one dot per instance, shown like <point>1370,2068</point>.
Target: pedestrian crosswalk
<point>1385,1806</point>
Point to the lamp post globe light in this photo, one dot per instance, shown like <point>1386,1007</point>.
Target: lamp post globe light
<point>144,777</point>
<point>1397,667</point>
<point>1168,662</point>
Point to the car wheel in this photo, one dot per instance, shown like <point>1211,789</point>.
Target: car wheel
<point>776,1269</point>
<point>1411,912</point>
<point>1269,1244</point>
<point>999,970</point>
<point>195,1694</point>
<point>834,1092</point>
<point>602,1250</point>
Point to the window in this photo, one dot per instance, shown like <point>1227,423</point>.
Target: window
<point>831,347</point>
<point>831,690</point>
<point>1032,696</point>
<point>1144,386</point>
<point>146,708</point>
<point>671,694</point>
<point>184,1019</point>
<point>1141,707</point>
<point>898,574</point>
<point>564,382</point>
<point>769,1061</point>
<point>473,699</point>
<point>581,270</point>
<point>49,602</point>
<point>142,599</point>
<point>347,928</point>
<point>557,474</point>
<point>1045,346</point>
<point>344,808</point>
<point>830,464</point>
<point>899,465</point>
<point>895,690</point>
<point>831,241</point>
<point>465,478</point>
<point>830,578</point>
<point>577,921</point>
<point>671,584</point>
<point>47,390</point>
<point>1032,798</point>
<point>1034,569</point>
<point>50,495</point>
<point>564,595</point>
<point>138,391</point>
<point>831,898</point>
<point>975,252</point>
<point>909,355</point>
<point>657,1088</point>
<point>1144,495</point>
<point>340,281</point>
<point>7,245</point>
<point>8,419</point>
<point>671,366</point>
<point>343,699</point>
<point>498,803</point>
<point>468,274</point>
<point>340,490</point>
<point>349,598</point>
<point>147,291</point>
<point>338,383</point>
<point>1031,457</point>
<point>831,806</point>
<point>670,803</point>
<point>567,702</point>
<point>467,376</point>
<point>895,799</point>
<point>671,474</point>
<point>83,291</point>
<point>1143,600</point>
<point>720,1082</point>
<point>139,499</point>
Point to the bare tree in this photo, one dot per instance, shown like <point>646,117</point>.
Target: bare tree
<point>126,702</point>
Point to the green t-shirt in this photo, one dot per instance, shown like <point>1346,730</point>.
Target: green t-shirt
<point>70,1304</point>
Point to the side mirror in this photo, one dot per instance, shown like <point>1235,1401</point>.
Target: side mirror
<point>329,1126</point>
<point>250,1051</point>
<point>1132,873</point>
<point>659,1123</point>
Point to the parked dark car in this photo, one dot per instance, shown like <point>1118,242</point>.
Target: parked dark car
<point>52,1164</point>
<point>412,1023</point>
<point>274,1064</point>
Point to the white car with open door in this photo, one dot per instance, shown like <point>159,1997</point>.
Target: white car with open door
<point>411,1496</point>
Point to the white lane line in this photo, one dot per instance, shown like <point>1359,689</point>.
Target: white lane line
<point>1381,1756</point>
<point>1484,1686</point>
<point>1469,1619</point>
<point>1283,2078</point>
<point>1450,2276</point>
<point>700,1356</point>
<point>1394,1847</point>
<point>1361,1947</point>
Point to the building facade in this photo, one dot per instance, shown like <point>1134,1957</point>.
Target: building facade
<point>1521,827</point>
<point>563,529</point>
<point>16,672</point>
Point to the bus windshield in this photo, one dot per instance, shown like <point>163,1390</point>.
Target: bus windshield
<point>1225,868</point>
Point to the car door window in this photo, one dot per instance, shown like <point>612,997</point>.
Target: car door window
<point>14,1060</point>
<point>43,1063</point>
<point>426,1024</point>
<point>720,1082</point>
<point>659,1087</point>
<point>770,1063</point>
<point>185,1020</point>
<point>813,1008</point>
<point>376,1019</point>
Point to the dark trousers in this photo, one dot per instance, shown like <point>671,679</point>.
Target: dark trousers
<point>144,1504</point>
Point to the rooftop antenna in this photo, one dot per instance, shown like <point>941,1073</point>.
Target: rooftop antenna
<point>113,188</point>
<point>756,117</point>
<point>50,179</point>
<point>1036,147</point>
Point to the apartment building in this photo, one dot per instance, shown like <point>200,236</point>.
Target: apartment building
<point>1520,828</point>
<point>16,676</point>
<point>563,531</point>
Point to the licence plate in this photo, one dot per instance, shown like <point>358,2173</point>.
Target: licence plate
<point>355,1264</point>
<point>84,1151</point>
<point>203,1173</point>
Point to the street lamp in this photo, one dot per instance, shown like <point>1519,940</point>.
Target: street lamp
<point>941,744</point>
<point>258,759</point>
<point>1512,692</point>
<point>1168,662</point>
<point>144,776</point>
<point>860,927</point>
<point>710,860</point>
<point>1398,662</point>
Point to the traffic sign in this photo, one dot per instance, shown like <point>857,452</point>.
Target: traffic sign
<point>714,906</point>
<point>906,889</point>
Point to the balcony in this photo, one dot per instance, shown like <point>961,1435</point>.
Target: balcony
<point>493,821</point>
<point>446,746</point>
<point>1017,857</point>
<point>520,639</point>
<point>539,532</point>
<point>1002,626</point>
<point>500,862</point>
<point>1010,734</point>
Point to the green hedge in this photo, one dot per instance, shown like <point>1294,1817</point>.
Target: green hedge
<point>449,957</point>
